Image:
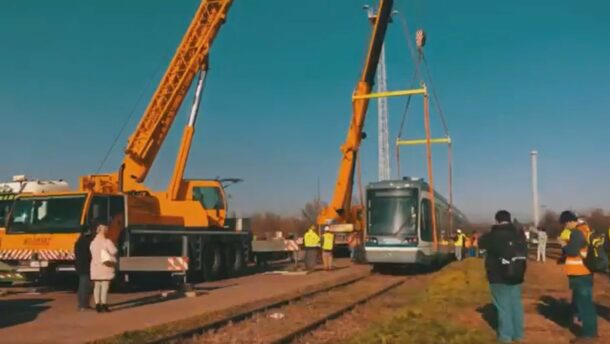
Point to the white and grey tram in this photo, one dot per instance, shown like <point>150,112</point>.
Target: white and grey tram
<point>399,228</point>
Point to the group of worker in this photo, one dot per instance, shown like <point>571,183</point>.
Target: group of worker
<point>313,242</point>
<point>505,263</point>
<point>466,245</point>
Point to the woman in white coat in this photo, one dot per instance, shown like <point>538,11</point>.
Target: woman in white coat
<point>103,262</point>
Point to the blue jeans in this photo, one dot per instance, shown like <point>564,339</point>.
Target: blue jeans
<point>507,299</point>
<point>582,298</point>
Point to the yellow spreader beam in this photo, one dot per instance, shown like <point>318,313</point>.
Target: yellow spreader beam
<point>416,91</point>
<point>446,140</point>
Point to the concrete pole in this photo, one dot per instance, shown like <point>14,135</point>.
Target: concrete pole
<point>536,207</point>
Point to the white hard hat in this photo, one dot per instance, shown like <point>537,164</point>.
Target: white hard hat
<point>459,230</point>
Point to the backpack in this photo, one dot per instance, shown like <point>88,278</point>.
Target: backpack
<point>597,257</point>
<point>514,259</point>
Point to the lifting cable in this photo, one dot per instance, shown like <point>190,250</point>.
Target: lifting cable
<point>417,58</point>
<point>449,146</point>
<point>128,118</point>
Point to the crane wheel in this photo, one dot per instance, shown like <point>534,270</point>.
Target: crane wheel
<point>212,261</point>
<point>234,259</point>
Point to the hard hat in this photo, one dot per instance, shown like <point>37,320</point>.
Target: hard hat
<point>326,228</point>
<point>459,230</point>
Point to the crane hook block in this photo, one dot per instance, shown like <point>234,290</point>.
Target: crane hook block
<point>420,38</point>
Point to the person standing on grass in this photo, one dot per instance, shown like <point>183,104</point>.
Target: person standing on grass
<point>474,244</point>
<point>580,277</point>
<point>458,244</point>
<point>542,240</point>
<point>82,264</point>
<point>505,264</point>
<point>103,262</point>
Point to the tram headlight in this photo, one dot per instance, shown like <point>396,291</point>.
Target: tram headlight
<point>371,240</point>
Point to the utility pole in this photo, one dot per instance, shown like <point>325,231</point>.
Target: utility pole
<point>383,149</point>
<point>534,156</point>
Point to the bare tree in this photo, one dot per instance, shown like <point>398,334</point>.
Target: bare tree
<point>311,210</point>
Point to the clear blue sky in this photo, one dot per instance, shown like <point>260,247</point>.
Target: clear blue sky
<point>511,75</point>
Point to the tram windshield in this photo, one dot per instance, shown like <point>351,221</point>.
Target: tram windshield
<point>392,212</point>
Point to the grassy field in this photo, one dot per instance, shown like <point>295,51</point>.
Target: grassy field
<point>428,317</point>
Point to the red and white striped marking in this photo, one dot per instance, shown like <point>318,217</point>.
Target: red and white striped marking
<point>291,245</point>
<point>42,254</point>
<point>177,263</point>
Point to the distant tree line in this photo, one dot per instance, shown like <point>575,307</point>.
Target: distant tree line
<point>265,224</point>
<point>598,220</point>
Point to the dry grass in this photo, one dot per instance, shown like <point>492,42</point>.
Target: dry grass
<point>428,318</point>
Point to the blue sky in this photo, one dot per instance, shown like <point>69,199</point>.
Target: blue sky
<point>511,76</point>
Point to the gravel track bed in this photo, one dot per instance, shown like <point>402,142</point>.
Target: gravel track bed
<point>273,324</point>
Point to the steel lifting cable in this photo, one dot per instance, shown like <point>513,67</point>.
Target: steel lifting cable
<point>131,113</point>
<point>449,146</point>
<point>416,58</point>
<point>421,57</point>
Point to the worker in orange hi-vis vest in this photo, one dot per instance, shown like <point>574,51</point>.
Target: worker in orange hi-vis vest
<point>579,276</point>
<point>354,241</point>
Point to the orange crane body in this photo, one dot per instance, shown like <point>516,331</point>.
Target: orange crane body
<point>175,206</point>
<point>183,227</point>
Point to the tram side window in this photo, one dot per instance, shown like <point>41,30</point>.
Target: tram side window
<point>426,220</point>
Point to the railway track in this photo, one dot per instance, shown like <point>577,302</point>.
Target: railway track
<point>283,322</point>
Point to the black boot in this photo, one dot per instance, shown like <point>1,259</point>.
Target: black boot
<point>105,308</point>
<point>98,308</point>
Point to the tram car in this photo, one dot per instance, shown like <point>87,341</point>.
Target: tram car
<point>399,228</point>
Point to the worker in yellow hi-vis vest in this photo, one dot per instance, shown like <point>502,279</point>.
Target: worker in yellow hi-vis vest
<point>328,242</point>
<point>311,241</point>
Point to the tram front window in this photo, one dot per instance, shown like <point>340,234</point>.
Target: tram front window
<point>392,212</point>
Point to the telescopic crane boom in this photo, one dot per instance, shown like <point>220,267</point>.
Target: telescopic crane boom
<point>340,209</point>
<point>146,141</point>
<point>193,202</point>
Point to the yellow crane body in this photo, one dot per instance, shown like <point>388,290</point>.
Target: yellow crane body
<point>340,209</point>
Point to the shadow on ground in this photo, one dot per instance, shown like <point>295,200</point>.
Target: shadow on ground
<point>396,269</point>
<point>490,315</point>
<point>558,311</point>
<point>603,311</point>
<point>19,311</point>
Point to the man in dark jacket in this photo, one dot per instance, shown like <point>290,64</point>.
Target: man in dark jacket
<point>505,261</point>
<point>83,265</point>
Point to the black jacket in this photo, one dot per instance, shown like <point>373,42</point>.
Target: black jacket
<point>83,254</point>
<point>494,242</point>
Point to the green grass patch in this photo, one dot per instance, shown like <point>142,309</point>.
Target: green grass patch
<point>428,318</point>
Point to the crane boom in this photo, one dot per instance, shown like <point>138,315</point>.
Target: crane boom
<point>190,57</point>
<point>339,208</point>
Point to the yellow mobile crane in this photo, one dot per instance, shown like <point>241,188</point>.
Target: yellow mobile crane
<point>340,214</point>
<point>184,228</point>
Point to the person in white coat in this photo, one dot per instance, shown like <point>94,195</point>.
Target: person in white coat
<point>103,262</point>
<point>542,240</point>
